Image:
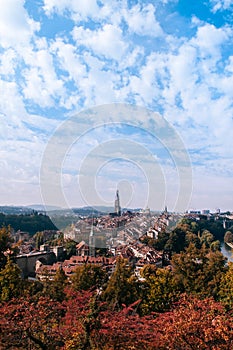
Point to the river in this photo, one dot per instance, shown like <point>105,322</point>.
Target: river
<point>227,251</point>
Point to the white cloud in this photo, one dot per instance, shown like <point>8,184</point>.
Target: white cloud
<point>16,27</point>
<point>192,68</point>
<point>194,72</point>
<point>98,86</point>
<point>69,60</point>
<point>41,82</point>
<point>133,59</point>
<point>221,5</point>
<point>8,62</point>
<point>77,9</point>
<point>106,41</point>
<point>11,103</point>
<point>209,40</point>
<point>229,66</point>
<point>109,11</point>
<point>142,21</point>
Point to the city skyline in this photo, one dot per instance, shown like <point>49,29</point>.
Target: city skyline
<point>59,59</point>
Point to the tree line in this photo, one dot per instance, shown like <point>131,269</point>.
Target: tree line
<point>30,223</point>
<point>201,232</point>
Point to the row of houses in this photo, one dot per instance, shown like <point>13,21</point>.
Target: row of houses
<point>163,222</point>
<point>69,266</point>
<point>137,254</point>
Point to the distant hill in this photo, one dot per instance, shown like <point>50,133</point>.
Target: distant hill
<point>97,210</point>
<point>41,207</point>
<point>58,211</point>
<point>17,210</point>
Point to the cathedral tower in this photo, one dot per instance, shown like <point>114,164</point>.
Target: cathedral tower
<point>117,204</point>
<point>92,242</point>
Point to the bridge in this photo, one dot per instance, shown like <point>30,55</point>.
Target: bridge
<point>27,262</point>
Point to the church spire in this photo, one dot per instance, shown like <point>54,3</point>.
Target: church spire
<point>117,204</point>
<point>92,241</point>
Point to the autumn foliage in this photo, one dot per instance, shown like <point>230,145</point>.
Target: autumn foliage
<point>31,324</point>
<point>84,322</point>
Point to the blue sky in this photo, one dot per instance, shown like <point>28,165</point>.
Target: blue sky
<point>61,57</point>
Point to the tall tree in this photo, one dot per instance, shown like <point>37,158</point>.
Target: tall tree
<point>207,238</point>
<point>214,270</point>
<point>11,283</point>
<point>226,287</point>
<point>191,237</point>
<point>122,287</point>
<point>88,276</point>
<point>80,321</point>
<point>158,290</point>
<point>56,288</point>
<point>70,247</point>
<point>39,239</point>
<point>176,241</point>
<point>5,245</point>
<point>198,271</point>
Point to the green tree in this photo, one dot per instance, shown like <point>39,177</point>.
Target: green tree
<point>122,287</point>
<point>160,243</point>
<point>5,245</point>
<point>32,288</point>
<point>192,238</point>
<point>198,271</point>
<point>176,241</point>
<point>39,239</point>
<point>57,286</point>
<point>70,247</point>
<point>207,238</point>
<point>10,281</point>
<point>158,290</point>
<point>194,227</point>
<point>29,222</point>
<point>214,269</point>
<point>88,276</point>
<point>215,227</point>
<point>226,287</point>
<point>215,246</point>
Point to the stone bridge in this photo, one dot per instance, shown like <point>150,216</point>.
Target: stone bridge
<point>27,262</point>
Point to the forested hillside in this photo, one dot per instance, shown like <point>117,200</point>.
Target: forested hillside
<point>31,223</point>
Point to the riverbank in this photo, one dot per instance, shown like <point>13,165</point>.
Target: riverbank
<point>227,251</point>
<point>229,245</point>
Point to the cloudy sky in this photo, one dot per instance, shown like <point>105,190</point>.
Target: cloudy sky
<point>59,58</point>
